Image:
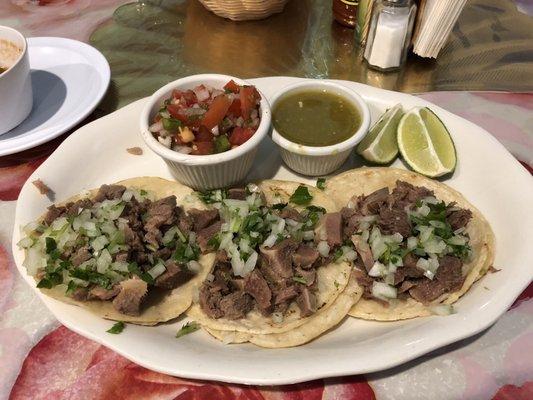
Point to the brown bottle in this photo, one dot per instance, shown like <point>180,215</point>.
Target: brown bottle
<point>345,12</point>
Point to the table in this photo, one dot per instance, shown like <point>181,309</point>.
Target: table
<point>149,43</point>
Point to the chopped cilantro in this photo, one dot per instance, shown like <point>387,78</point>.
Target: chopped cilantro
<point>338,254</point>
<point>71,287</point>
<point>336,284</point>
<point>50,280</point>
<point>213,196</point>
<point>189,327</point>
<point>51,244</point>
<point>299,279</point>
<point>117,328</point>
<point>92,277</point>
<point>143,192</point>
<point>301,196</point>
<point>214,242</point>
<point>321,183</point>
<point>279,206</point>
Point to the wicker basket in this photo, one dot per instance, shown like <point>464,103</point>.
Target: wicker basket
<point>244,10</point>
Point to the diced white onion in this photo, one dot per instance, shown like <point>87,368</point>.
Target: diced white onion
<point>348,254</point>
<point>308,235</point>
<point>210,278</point>
<point>457,240</point>
<point>157,270</point>
<point>25,243</point>
<point>103,262</point>
<point>412,243</point>
<point>194,266</point>
<point>383,291</point>
<point>249,265</point>
<point>378,270</point>
<point>437,224</point>
<point>165,141</point>
<point>425,233</point>
<point>277,317</point>
<point>323,248</point>
<point>443,309</point>
<point>430,200</point>
<point>156,126</point>
<point>270,241</point>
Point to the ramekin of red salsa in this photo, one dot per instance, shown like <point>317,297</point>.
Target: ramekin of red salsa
<point>207,128</point>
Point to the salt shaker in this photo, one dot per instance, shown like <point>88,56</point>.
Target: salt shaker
<point>389,35</point>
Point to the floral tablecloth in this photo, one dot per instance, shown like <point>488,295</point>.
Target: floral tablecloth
<point>39,359</point>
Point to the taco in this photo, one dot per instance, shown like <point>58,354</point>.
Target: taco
<point>282,274</point>
<point>125,252</point>
<point>421,245</point>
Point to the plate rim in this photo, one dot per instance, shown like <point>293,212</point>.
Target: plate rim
<point>468,327</point>
<point>101,66</point>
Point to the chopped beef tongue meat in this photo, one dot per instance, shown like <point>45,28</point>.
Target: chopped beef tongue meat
<point>81,255</point>
<point>291,213</point>
<point>308,275</point>
<point>100,293</point>
<point>365,281</point>
<point>73,209</point>
<point>109,192</point>
<point>276,260</point>
<point>351,218</point>
<point>256,286</point>
<point>458,218</point>
<point>173,276</point>
<point>285,294</point>
<point>448,278</point>
<point>329,228</point>
<point>132,292</point>
<point>210,296</point>
<point>305,256</point>
<point>185,223</point>
<point>206,234</point>
<point>202,218</point>
<point>236,305</point>
<point>237,193</point>
<point>364,251</point>
<point>371,204</point>
<point>408,270</point>
<point>159,213</point>
<point>53,213</point>
<point>306,302</point>
<point>406,194</point>
<point>394,220</point>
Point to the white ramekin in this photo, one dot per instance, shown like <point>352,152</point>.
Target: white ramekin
<point>317,161</point>
<point>16,97</point>
<point>209,171</point>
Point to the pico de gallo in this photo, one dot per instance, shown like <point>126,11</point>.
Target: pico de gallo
<point>206,120</point>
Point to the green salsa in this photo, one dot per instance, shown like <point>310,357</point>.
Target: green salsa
<point>315,118</point>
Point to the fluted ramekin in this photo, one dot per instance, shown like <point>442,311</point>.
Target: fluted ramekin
<point>320,160</point>
<point>208,171</point>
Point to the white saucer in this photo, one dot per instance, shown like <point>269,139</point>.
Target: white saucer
<point>69,79</point>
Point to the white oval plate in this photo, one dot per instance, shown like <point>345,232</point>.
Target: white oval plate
<point>69,78</point>
<point>486,174</point>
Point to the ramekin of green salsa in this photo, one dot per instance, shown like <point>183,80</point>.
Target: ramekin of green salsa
<point>316,124</point>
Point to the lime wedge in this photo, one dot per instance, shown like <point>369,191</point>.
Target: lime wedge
<point>425,143</point>
<point>380,145</point>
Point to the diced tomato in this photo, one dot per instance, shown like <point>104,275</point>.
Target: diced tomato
<point>240,135</point>
<point>177,93</point>
<point>204,135</point>
<point>235,108</point>
<point>190,97</point>
<point>232,86</point>
<point>176,112</point>
<point>248,97</point>
<point>216,112</point>
<point>203,148</point>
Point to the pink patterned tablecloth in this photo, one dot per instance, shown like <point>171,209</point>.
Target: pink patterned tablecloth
<point>39,359</point>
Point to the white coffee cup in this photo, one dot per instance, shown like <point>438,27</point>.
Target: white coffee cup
<point>16,97</point>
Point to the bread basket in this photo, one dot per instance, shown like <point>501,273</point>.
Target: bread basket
<point>244,10</point>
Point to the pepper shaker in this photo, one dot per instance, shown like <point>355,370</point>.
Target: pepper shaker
<point>389,35</point>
